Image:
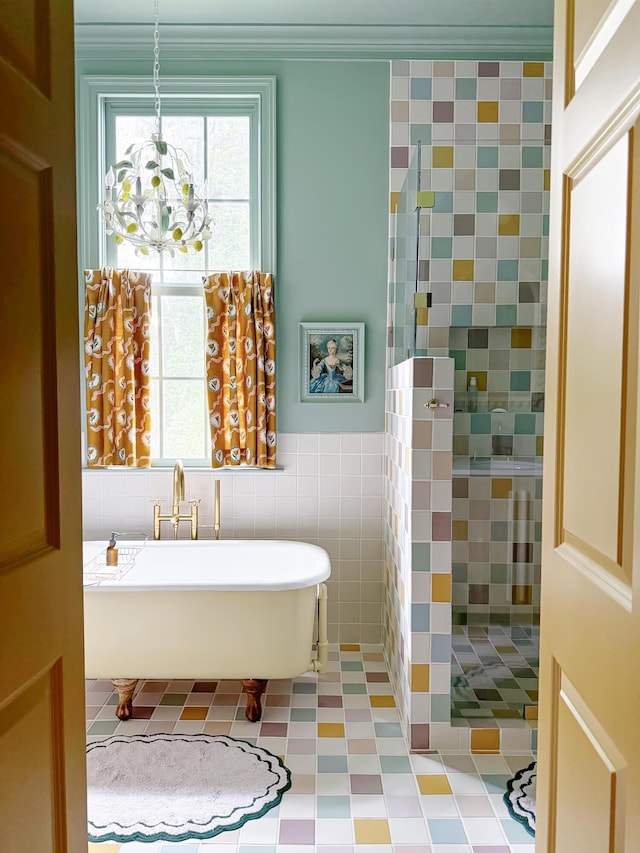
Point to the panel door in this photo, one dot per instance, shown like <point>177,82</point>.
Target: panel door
<point>42,763</point>
<point>589,756</point>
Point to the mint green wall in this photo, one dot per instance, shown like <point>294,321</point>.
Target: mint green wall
<point>333,220</point>
<point>332,200</point>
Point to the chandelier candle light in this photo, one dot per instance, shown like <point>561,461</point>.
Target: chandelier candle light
<point>150,199</point>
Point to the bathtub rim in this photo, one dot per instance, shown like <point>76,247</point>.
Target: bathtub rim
<point>132,582</point>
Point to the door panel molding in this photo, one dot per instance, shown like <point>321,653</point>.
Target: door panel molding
<point>619,103</point>
<point>630,542</point>
<point>597,568</point>
<point>605,752</point>
<point>603,187</point>
<point>610,755</point>
<point>568,708</point>
<point>569,51</point>
<point>561,369</point>
<point>551,800</point>
<point>582,160</point>
<point>59,769</point>
<point>34,525</point>
<point>41,700</point>
<point>600,37</point>
<point>25,42</point>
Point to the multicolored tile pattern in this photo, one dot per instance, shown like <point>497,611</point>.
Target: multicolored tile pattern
<point>497,526</point>
<point>417,626</point>
<point>494,672</point>
<point>508,365</point>
<point>482,133</point>
<point>355,783</point>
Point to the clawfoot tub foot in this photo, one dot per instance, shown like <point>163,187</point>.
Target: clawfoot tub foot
<point>125,688</point>
<point>254,688</point>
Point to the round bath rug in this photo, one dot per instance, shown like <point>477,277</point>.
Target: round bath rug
<point>177,787</point>
<point>520,797</point>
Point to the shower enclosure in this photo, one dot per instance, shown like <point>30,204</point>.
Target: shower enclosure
<point>469,283</point>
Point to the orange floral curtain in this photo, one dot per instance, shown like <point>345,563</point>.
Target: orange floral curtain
<point>240,363</point>
<point>117,325</point>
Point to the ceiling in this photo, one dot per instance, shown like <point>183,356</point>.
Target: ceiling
<point>391,13</point>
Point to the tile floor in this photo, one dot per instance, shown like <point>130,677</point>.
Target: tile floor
<point>494,671</point>
<point>355,786</point>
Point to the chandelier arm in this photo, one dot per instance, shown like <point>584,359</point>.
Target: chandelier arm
<point>182,220</point>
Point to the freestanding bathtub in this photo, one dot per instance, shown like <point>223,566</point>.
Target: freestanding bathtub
<point>205,609</point>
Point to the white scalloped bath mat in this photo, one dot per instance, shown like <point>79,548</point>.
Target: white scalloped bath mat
<point>520,797</point>
<point>177,787</point>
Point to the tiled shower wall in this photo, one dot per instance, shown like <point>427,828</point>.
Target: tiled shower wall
<point>508,365</point>
<point>493,581</point>
<point>497,521</point>
<point>485,133</point>
<point>328,491</point>
<point>417,618</point>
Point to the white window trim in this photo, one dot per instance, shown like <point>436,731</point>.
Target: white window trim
<point>177,105</point>
<point>94,92</point>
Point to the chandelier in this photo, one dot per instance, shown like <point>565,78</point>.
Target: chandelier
<point>150,198</point>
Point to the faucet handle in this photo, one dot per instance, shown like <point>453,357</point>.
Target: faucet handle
<point>194,501</point>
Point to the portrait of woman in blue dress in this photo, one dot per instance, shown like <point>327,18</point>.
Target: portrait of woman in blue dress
<point>331,374</point>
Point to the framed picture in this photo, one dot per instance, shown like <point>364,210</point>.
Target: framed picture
<point>332,362</point>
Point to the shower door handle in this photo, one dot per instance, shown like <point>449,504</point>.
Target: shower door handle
<point>436,404</point>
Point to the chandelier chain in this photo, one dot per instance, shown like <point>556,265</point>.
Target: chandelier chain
<point>156,63</point>
<point>150,198</point>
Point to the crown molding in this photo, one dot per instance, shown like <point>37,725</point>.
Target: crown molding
<point>267,41</point>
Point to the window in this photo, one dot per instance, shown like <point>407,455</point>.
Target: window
<point>226,128</point>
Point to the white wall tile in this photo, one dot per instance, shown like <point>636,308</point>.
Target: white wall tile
<point>287,443</point>
<point>328,443</point>
<point>372,442</point>
<point>307,499</point>
<point>350,442</point>
<point>113,484</point>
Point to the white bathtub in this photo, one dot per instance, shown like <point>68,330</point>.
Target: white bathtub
<point>205,610</point>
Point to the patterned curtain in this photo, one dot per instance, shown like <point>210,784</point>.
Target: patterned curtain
<point>241,349</point>
<point>117,325</point>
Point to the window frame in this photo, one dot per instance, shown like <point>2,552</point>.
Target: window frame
<point>101,98</point>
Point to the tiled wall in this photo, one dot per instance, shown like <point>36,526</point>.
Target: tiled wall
<point>493,582</point>
<point>417,620</point>
<point>417,627</point>
<point>485,147</point>
<point>496,548</point>
<point>483,134</point>
<point>329,491</point>
<point>508,364</point>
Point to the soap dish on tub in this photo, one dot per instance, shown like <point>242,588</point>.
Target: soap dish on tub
<point>97,570</point>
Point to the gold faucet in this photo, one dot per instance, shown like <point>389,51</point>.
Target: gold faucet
<point>178,487</point>
<point>175,518</point>
<point>216,509</point>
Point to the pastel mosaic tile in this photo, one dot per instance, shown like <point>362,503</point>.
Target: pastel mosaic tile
<point>364,791</point>
<point>482,148</point>
<point>418,541</point>
<point>508,422</point>
<point>485,151</point>
<point>494,672</point>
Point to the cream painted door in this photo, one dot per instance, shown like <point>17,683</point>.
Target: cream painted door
<point>42,763</point>
<point>589,756</point>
